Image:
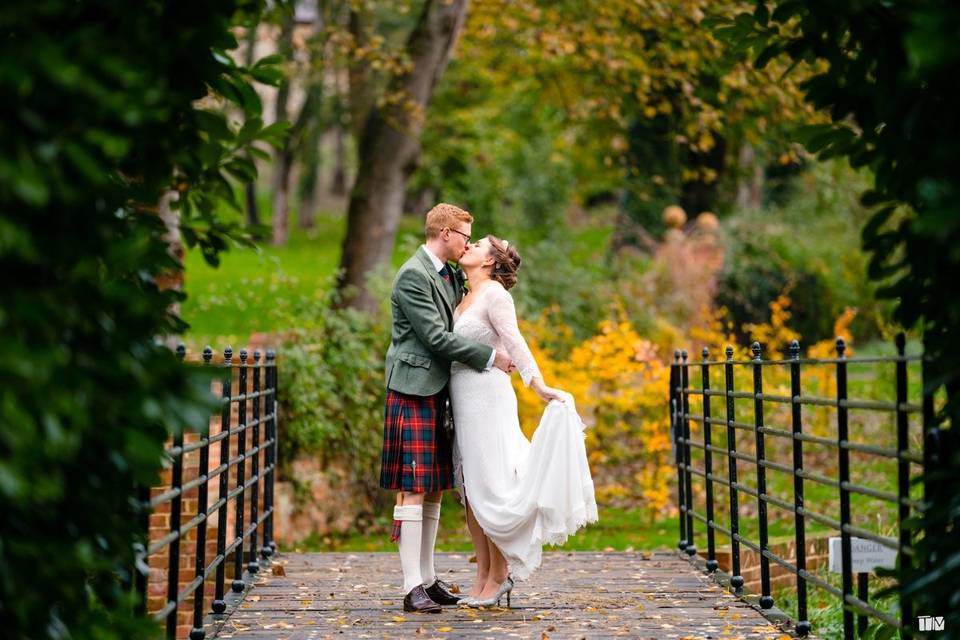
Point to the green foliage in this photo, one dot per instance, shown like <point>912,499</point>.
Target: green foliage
<point>98,121</point>
<point>332,391</point>
<point>887,78</point>
<point>753,276</point>
<point>651,152</point>
<point>774,249</point>
<point>618,529</point>
<point>509,166</point>
<point>252,290</point>
<point>551,277</point>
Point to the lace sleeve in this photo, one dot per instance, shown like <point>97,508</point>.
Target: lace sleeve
<point>503,318</point>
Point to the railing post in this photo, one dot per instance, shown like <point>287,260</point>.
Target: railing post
<point>931,445</point>
<point>736,580</point>
<point>269,409</point>
<point>766,600</point>
<point>691,548</point>
<point>803,624</point>
<point>863,592</point>
<point>675,405</point>
<point>708,462</point>
<point>844,477</point>
<point>173,550</point>
<point>903,478</point>
<point>271,355</point>
<point>197,632</point>
<point>237,585</point>
<point>219,605</point>
<point>141,567</point>
<point>252,565</point>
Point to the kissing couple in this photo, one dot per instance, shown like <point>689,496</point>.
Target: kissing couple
<point>450,342</point>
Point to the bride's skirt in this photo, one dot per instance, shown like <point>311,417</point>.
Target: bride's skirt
<point>524,494</point>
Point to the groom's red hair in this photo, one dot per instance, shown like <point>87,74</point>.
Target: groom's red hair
<point>444,216</point>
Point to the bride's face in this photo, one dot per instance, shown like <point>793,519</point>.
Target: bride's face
<point>477,254</point>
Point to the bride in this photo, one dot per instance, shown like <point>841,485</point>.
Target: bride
<point>519,495</point>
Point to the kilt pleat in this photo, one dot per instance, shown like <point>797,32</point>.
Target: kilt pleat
<point>417,454</point>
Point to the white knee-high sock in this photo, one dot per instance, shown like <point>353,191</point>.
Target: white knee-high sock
<point>411,531</point>
<point>431,521</point>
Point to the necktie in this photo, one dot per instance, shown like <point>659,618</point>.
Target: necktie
<point>445,273</point>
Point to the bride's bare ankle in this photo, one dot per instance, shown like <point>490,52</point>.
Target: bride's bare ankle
<point>478,585</point>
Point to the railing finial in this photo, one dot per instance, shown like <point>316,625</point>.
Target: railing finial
<point>755,347</point>
<point>676,355</point>
<point>705,353</point>
<point>795,349</point>
<point>729,352</point>
<point>683,355</point>
<point>227,355</point>
<point>243,356</point>
<point>841,347</point>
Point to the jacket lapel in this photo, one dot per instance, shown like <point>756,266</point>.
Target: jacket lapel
<point>446,292</point>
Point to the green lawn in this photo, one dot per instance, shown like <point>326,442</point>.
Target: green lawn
<point>618,529</point>
<point>228,303</point>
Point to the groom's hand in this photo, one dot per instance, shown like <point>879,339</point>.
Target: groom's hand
<point>502,361</point>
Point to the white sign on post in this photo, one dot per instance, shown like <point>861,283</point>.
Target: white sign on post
<point>865,556</point>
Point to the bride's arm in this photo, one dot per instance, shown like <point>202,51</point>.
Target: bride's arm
<point>546,393</point>
<point>503,318</point>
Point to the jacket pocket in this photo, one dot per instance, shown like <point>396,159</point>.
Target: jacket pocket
<point>415,360</point>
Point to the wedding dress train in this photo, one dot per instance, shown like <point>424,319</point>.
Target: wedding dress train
<point>523,493</point>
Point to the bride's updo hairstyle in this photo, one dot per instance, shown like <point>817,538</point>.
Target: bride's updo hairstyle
<point>506,261</point>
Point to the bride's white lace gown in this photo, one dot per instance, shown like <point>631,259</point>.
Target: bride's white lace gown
<point>524,494</point>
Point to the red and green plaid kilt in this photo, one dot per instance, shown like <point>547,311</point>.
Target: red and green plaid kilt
<point>417,452</point>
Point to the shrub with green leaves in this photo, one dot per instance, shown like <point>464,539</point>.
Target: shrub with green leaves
<point>782,247</point>
<point>99,119</point>
<point>332,390</point>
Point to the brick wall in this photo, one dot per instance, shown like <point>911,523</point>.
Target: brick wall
<point>818,555</point>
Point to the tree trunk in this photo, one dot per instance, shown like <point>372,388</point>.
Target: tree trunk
<point>338,184</point>
<point>361,89</point>
<point>750,182</point>
<point>253,213</point>
<point>281,195</point>
<point>174,239</point>
<point>284,158</point>
<point>310,179</point>
<point>389,152</point>
<point>250,189</point>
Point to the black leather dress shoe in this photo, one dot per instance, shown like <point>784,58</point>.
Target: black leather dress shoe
<point>440,593</point>
<point>417,601</point>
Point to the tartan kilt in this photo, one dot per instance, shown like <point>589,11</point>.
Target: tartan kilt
<point>417,452</point>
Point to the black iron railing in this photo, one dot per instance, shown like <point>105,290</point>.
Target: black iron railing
<point>691,475</point>
<point>256,384</point>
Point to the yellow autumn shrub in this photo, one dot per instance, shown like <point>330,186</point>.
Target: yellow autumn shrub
<point>620,380</point>
<point>620,383</point>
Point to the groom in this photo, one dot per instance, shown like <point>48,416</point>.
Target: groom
<point>417,450</point>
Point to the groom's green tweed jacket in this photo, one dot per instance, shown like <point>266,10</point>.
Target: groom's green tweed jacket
<point>423,344</point>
